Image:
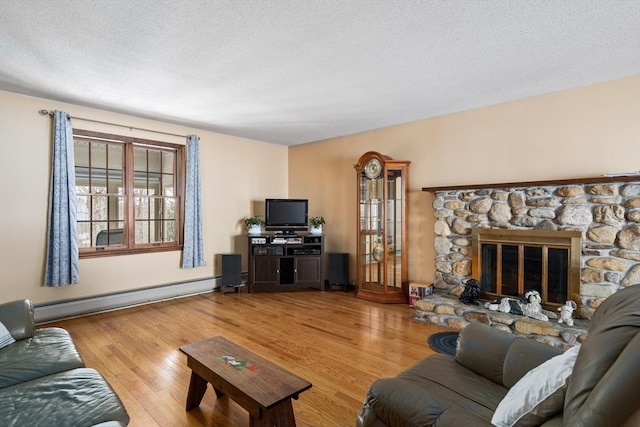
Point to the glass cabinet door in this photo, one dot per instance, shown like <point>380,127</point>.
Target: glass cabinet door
<point>394,228</point>
<point>371,255</point>
<point>382,259</point>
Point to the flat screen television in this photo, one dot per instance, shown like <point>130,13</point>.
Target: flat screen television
<point>286,215</point>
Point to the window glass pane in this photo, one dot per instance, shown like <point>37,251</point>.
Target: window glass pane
<point>83,208</point>
<point>83,229</point>
<point>558,275</point>
<point>98,155</point>
<point>115,224</point>
<point>155,206</point>
<point>488,277</point>
<point>167,185</point>
<point>533,268</point>
<point>142,232</point>
<point>99,208</point>
<point>115,182</point>
<point>140,183</point>
<point>96,228</point>
<point>98,181</point>
<point>155,231</point>
<point>169,211</point>
<point>510,270</point>
<point>168,159</point>
<point>141,207</point>
<point>112,236</point>
<point>169,231</point>
<point>82,180</point>
<point>154,183</point>
<point>154,160</point>
<point>116,209</point>
<point>81,153</point>
<point>139,159</point>
<point>155,228</point>
<point>114,153</point>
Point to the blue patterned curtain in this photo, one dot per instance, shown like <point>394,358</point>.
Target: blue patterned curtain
<point>192,252</point>
<point>62,243</point>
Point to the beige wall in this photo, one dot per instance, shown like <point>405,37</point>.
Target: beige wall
<point>237,175</point>
<point>579,133</point>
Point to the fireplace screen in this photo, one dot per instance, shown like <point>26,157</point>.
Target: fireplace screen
<point>511,262</point>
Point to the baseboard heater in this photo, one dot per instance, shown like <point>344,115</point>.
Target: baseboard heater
<point>49,312</point>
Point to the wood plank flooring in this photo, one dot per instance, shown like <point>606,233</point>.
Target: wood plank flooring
<point>337,342</point>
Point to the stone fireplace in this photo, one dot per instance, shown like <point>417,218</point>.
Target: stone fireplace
<point>603,212</point>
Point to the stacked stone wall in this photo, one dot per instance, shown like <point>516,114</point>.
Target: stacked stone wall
<point>607,215</point>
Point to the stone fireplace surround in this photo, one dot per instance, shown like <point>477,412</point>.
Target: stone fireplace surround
<point>606,210</point>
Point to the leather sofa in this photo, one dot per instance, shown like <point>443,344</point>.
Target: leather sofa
<point>600,388</point>
<point>44,381</point>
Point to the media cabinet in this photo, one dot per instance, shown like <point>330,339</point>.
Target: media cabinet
<point>284,262</point>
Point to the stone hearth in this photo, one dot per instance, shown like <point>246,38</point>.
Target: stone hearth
<point>447,310</point>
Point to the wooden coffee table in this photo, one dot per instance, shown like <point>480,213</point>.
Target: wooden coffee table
<point>259,386</point>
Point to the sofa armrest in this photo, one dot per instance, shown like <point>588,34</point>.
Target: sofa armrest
<point>603,390</point>
<point>483,349</point>
<point>17,317</point>
<point>524,355</point>
<point>367,417</point>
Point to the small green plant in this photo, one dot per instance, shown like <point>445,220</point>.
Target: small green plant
<point>253,221</point>
<point>316,221</point>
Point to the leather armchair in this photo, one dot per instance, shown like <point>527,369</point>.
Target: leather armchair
<point>441,390</point>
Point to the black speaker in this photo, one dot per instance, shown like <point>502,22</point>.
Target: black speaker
<point>231,270</point>
<point>339,270</point>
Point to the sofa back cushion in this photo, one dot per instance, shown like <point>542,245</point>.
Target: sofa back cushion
<point>482,349</point>
<point>603,388</point>
<point>50,350</point>
<point>524,355</point>
<point>539,395</point>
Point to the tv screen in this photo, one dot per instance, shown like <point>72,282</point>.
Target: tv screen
<point>286,215</point>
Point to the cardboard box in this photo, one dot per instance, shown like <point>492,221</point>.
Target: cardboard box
<point>418,291</point>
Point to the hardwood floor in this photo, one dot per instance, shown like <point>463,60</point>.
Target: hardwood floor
<point>337,342</point>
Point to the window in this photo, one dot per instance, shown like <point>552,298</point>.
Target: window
<point>129,194</point>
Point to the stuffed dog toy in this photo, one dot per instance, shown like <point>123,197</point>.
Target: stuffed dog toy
<point>471,292</point>
<point>529,305</point>
<point>566,312</point>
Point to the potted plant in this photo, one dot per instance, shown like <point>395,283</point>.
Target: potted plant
<point>254,224</point>
<point>316,223</point>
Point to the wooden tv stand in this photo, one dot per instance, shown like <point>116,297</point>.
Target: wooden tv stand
<point>285,262</point>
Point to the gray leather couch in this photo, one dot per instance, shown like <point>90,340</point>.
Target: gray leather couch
<point>44,381</point>
<point>465,390</point>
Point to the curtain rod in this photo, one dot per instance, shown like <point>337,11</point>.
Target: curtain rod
<point>50,113</point>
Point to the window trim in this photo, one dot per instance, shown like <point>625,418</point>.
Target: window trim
<point>129,143</point>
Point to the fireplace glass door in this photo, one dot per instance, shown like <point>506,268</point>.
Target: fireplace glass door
<point>511,262</point>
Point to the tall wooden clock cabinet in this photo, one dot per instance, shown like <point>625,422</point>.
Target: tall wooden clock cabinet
<point>382,259</point>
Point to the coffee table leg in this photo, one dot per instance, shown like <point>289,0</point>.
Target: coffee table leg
<point>281,416</point>
<point>197,387</point>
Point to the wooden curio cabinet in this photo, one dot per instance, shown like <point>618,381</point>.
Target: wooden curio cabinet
<point>382,266</point>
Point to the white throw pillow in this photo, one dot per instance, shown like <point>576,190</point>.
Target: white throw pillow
<point>5,337</point>
<point>538,395</point>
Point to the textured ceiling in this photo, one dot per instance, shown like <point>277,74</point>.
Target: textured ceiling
<point>294,71</point>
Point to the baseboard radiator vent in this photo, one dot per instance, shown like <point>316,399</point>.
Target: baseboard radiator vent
<point>79,307</point>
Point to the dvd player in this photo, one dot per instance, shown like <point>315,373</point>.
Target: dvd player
<point>303,251</point>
